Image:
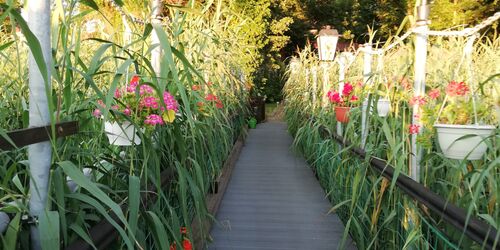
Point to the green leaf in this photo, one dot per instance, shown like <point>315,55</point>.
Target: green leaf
<point>12,232</point>
<point>49,230</point>
<point>159,232</point>
<point>134,202</point>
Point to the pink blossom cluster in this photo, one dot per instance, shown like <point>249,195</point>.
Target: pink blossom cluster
<point>346,98</point>
<point>456,89</point>
<point>170,102</point>
<point>146,104</point>
<point>417,100</point>
<point>153,120</point>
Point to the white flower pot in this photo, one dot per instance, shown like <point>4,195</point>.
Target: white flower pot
<point>455,148</point>
<point>121,134</point>
<point>383,107</point>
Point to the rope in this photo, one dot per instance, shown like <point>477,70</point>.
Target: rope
<point>465,32</point>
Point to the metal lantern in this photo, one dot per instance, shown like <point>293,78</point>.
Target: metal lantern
<point>327,43</point>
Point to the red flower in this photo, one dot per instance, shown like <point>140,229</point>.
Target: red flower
<point>405,83</point>
<point>354,98</point>
<point>183,230</point>
<point>186,245</point>
<point>173,246</point>
<point>456,89</point>
<point>434,94</point>
<point>347,90</point>
<point>195,87</point>
<point>211,97</point>
<point>413,129</point>
<point>417,100</point>
<point>219,104</point>
<point>135,80</point>
<point>200,104</point>
<point>334,97</point>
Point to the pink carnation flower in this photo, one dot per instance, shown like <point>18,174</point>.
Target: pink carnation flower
<point>97,113</point>
<point>347,89</point>
<point>434,94</point>
<point>170,101</point>
<point>153,120</point>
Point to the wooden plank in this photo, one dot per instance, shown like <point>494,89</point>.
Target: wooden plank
<point>213,200</point>
<point>28,136</point>
<point>273,200</point>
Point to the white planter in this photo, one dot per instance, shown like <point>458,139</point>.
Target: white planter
<point>121,134</point>
<point>383,107</point>
<point>455,148</point>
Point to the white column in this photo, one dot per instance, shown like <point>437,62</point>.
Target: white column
<point>314,73</point>
<point>367,74</point>
<point>342,67</point>
<point>326,86</point>
<point>418,90</point>
<point>39,154</point>
<point>155,53</point>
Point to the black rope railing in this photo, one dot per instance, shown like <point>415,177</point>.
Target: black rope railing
<point>479,231</point>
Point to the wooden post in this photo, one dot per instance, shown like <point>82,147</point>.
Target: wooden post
<point>419,84</point>
<point>367,73</point>
<point>39,154</point>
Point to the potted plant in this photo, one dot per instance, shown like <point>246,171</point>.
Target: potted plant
<point>463,121</point>
<point>136,106</point>
<point>343,101</point>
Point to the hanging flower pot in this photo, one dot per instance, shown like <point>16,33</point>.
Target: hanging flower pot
<point>383,107</point>
<point>342,114</point>
<point>463,141</point>
<point>123,134</point>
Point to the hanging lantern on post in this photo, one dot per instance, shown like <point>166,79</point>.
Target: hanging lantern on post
<point>327,43</point>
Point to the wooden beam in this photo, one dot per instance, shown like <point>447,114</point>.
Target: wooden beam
<point>28,136</point>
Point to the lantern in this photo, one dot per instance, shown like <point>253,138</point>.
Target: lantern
<point>327,43</point>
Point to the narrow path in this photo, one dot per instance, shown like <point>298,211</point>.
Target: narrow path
<point>273,200</point>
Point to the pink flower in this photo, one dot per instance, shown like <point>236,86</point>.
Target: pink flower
<point>134,82</point>
<point>354,98</point>
<point>413,129</point>
<point>347,89</point>
<point>417,100</point>
<point>153,120</point>
<point>434,94</point>
<point>97,113</point>
<point>334,97</point>
<point>143,89</point>
<point>170,101</point>
<point>127,111</point>
<point>457,89</point>
<point>195,87</point>
<point>118,93</point>
<point>149,102</point>
<point>115,107</point>
<point>101,103</point>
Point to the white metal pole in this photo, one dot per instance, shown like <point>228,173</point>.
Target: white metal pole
<point>342,66</point>
<point>156,7</point>
<point>367,73</point>
<point>326,79</point>
<point>39,154</point>
<point>306,87</point>
<point>314,73</point>
<point>419,84</point>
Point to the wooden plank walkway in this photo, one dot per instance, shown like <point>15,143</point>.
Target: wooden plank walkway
<point>273,200</point>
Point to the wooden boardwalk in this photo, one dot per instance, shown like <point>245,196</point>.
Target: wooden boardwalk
<point>273,200</point>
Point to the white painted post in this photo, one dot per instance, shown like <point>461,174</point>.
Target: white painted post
<point>342,67</point>
<point>156,7</point>
<point>306,87</point>
<point>325,88</point>
<point>419,84</point>
<point>314,73</point>
<point>367,73</point>
<point>39,154</point>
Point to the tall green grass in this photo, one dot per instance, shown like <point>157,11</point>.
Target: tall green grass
<point>198,47</point>
<point>376,213</point>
